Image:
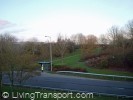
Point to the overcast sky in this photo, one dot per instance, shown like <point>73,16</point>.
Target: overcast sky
<point>37,18</point>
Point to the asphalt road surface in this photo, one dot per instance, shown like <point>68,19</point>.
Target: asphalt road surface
<point>80,84</point>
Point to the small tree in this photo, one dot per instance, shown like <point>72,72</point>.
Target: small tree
<point>8,56</point>
<point>61,46</point>
<point>89,45</point>
<point>130,32</point>
<point>70,46</point>
<point>3,58</point>
<point>25,68</point>
<point>103,39</point>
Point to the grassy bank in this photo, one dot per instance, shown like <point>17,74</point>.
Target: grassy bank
<point>73,60</point>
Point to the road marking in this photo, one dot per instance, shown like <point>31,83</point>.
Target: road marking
<point>121,88</point>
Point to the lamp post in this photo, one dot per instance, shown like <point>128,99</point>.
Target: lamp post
<point>50,52</point>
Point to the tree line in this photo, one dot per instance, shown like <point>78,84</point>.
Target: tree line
<point>111,50</point>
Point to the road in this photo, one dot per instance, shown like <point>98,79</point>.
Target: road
<point>80,84</point>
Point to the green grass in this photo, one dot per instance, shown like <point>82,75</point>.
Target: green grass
<point>73,60</point>
<point>31,90</point>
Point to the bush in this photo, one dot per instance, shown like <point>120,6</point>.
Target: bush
<point>67,68</point>
<point>103,64</point>
<point>128,60</point>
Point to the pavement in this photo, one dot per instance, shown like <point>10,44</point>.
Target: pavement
<point>79,84</point>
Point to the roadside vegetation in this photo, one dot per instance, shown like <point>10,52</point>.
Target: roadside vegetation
<point>74,61</point>
<point>111,53</point>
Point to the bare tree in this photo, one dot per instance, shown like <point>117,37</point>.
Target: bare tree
<point>112,34</point>
<point>91,41</point>
<point>25,69</point>
<point>78,38</point>
<point>3,57</point>
<point>103,39</point>
<point>8,55</point>
<point>130,32</point>
<point>89,45</point>
<point>61,45</point>
<point>32,45</point>
<point>112,37</point>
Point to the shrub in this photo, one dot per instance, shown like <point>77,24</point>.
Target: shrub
<point>128,60</point>
<point>67,68</point>
<point>103,64</point>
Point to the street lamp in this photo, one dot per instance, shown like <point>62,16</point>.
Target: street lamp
<point>50,51</point>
